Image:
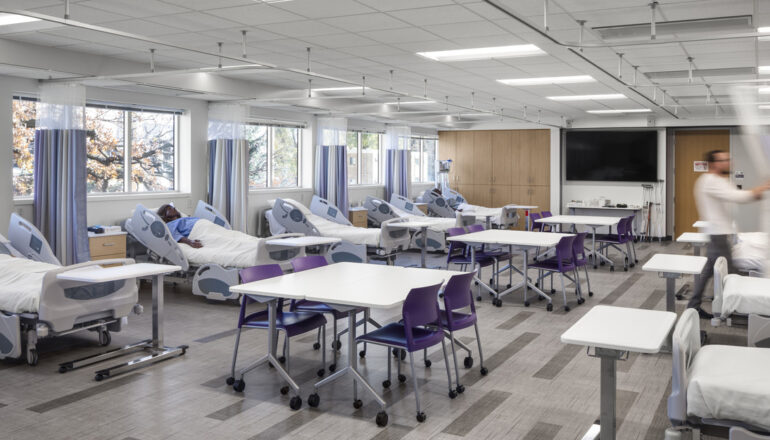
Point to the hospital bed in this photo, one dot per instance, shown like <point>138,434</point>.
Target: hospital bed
<point>441,205</point>
<point>717,385</point>
<point>209,278</point>
<point>357,244</point>
<point>743,296</point>
<point>35,304</point>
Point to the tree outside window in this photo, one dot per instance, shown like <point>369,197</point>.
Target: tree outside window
<point>352,150</point>
<point>273,156</point>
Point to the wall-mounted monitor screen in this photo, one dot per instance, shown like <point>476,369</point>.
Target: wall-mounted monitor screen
<point>615,156</point>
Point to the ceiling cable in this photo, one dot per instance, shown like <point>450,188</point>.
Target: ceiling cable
<point>152,60</point>
<point>653,5</point>
<point>580,34</point>
<point>689,70</point>
<point>220,54</point>
<point>473,100</point>
<point>636,69</point>
<point>310,87</point>
<point>363,84</point>
<point>243,44</point>
<point>308,59</point>
<point>66,9</point>
<point>391,80</point>
<point>545,15</point>
<point>620,65</point>
<point>425,94</point>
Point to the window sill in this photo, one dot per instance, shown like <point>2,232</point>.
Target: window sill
<point>367,185</point>
<point>278,190</point>
<point>116,197</point>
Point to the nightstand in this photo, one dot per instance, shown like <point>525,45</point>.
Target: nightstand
<point>422,207</point>
<point>107,246</point>
<point>357,216</point>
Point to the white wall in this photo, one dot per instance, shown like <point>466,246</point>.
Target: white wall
<point>747,216</point>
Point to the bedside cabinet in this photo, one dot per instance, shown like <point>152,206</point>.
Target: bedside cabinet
<point>107,246</point>
<point>422,207</point>
<point>357,216</point>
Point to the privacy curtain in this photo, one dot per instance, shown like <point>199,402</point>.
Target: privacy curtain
<point>59,203</point>
<point>397,170</point>
<point>229,163</point>
<point>331,170</point>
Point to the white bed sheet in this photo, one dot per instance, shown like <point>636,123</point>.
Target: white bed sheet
<point>750,251</point>
<point>221,246</point>
<point>481,212</point>
<point>730,383</point>
<point>744,295</point>
<point>21,281</point>
<point>328,228</point>
<point>439,224</point>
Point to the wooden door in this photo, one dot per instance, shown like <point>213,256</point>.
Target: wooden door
<point>691,146</point>
<point>464,152</point>
<point>540,157</point>
<point>501,158</point>
<point>521,158</point>
<point>447,150</point>
<point>482,157</point>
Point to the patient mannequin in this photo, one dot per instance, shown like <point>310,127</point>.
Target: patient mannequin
<point>180,227</point>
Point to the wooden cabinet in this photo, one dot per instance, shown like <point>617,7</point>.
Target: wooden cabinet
<point>501,195</point>
<point>501,158</point>
<point>540,154</point>
<point>520,160</point>
<point>482,147</point>
<point>464,163</point>
<point>482,195</point>
<point>107,246</point>
<point>357,216</point>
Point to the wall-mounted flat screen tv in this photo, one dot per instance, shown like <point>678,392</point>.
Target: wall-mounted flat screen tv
<point>614,156</point>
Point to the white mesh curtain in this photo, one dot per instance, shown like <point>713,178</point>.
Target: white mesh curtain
<point>229,163</point>
<point>331,171</point>
<point>398,177</point>
<point>60,171</point>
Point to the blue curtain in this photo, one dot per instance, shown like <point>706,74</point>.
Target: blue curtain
<point>60,192</point>
<point>228,180</point>
<point>397,173</point>
<point>331,175</point>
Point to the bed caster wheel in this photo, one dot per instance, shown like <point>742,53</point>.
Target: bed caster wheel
<point>526,303</point>
<point>401,378</point>
<point>285,390</point>
<point>381,419</point>
<point>362,354</point>
<point>632,265</point>
<point>313,400</point>
<point>468,362</point>
<point>428,363</point>
<point>316,346</point>
<point>320,372</point>
<point>239,386</point>
<point>32,356</point>
<point>421,417</point>
<point>612,268</point>
<point>478,298</point>
<point>566,308</point>
<point>99,377</point>
<point>672,434</point>
<point>452,394</point>
<point>460,389</point>
<point>580,301</point>
<point>386,384</point>
<point>104,338</point>
<point>508,286</point>
<point>229,381</point>
<point>484,371</point>
<point>332,367</point>
<point>337,345</point>
<point>357,404</point>
<point>295,403</point>
<point>549,307</point>
<point>590,294</point>
<point>602,263</point>
<point>553,291</point>
<point>282,359</point>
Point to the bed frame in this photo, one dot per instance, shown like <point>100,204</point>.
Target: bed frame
<point>453,197</point>
<point>292,219</point>
<point>68,307</point>
<point>209,280</point>
<point>758,325</point>
<point>686,343</point>
<point>379,211</point>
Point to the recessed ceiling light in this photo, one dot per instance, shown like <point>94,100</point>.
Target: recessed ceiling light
<point>764,107</point>
<point>588,97</point>
<point>8,19</point>
<point>764,90</point>
<point>339,89</point>
<point>763,69</point>
<point>763,30</point>
<point>547,80</point>
<point>484,53</point>
<point>410,102</point>
<point>611,112</point>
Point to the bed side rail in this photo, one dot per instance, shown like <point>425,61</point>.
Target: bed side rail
<point>29,241</point>
<point>348,252</point>
<point>508,217</point>
<point>405,204</point>
<point>274,253</point>
<point>292,218</point>
<point>686,343</point>
<point>378,211</point>
<point>63,304</point>
<point>439,206</point>
<point>151,231</point>
<point>720,273</point>
<point>393,237</point>
<point>453,197</point>
<point>324,208</point>
<point>208,212</point>
<point>6,248</point>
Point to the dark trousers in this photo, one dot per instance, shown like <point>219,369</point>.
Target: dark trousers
<point>719,246</point>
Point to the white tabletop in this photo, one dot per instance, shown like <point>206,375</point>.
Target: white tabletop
<point>694,238</point>
<point>628,208</point>
<point>669,263</point>
<point>509,237</point>
<point>588,220</point>
<point>621,328</point>
<point>308,240</point>
<point>700,224</point>
<point>351,284</point>
<point>106,233</point>
<point>411,224</point>
<point>98,274</point>
<point>528,207</point>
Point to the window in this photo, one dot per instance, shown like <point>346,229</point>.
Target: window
<point>273,156</point>
<point>423,159</point>
<point>127,150</point>
<point>363,158</point>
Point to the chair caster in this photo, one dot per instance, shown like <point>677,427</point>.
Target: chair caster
<point>320,372</point>
<point>382,419</point>
<point>460,389</point>
<point>612,268</point>
<point>401,378</point>
<point>602,263</point>
<point>421,417</point>
<point>316,346</point>
<point>104,338</point>
<point>581,301</point>
<point>362,354</point>
<point>625,269</point>
<point>357,404</point>
<point>508,286</point>
<point>590,294</point>
<point>549,307</point>
<point>632,265</point>
<point>99,377</point>
<point>497,302</point>
<point>553,291</point>
<point>452,394</point>
<point>337,345</point>
<point>478,298</point>
<point>239,386</point>
<point>285,390</point>
<point>64,369</point>
<point>484,371</point>
<point>313,400</point>
<point>428,363</point>
<point>332,367</point>
<point>295,403</point>
<point>537,283</point>
<point>228,381</point>
<point>403,353</point>
<point>596,267</point>
<point>468,362</point>
<point>566,308</point>
<point>636,261</point>
<point>282,359</point>
<point>386,384</point>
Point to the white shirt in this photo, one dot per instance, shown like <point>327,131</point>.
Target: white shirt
<point>714,196</point>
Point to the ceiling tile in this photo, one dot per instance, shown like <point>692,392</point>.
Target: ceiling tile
<point>139,9</point>
<point>255,14</point>
<point>436,15</point>
<point>394,5</point>
<point>194,21</point>
<point>365,22</point>
<point>467,30</point>
<point>304,28</point>
<point>396,36</point>
<point>82,13</point>
<point>324,9</point>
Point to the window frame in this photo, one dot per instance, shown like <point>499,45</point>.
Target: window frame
<point>380,149</point>
<point>422,179</point>
<point>269,144</point>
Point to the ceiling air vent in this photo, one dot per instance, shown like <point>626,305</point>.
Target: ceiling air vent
<point>670,28</point>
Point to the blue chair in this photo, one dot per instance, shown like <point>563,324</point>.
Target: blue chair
<point>291,323</point>
<point>419,330</point>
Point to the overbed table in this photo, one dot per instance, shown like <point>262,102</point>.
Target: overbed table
<point>346,287</point>
<point>614,332</point>
<point>305,241</point>
<point>671,267</point>
<point>698,240</point>
<point>158,351</point>
<point>416,225</point>
<point>700,224</point>
<point>592,222</point>
<point>524,241</point>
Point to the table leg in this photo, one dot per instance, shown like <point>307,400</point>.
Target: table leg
<point>424,247</point>
<point>593,247</point>
<point>608,393</point>
<point>526,214</point>
<point>489,222</point>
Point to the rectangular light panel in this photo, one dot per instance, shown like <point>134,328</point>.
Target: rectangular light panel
<point>588,97</point>
<point>9,19</point>
<point>547,80</point>
<point>614,112</point>
<point>483,53</point>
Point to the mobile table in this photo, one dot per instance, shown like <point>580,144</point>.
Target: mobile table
<point>698,240</point>
<point>671,267</point>
<point>588,221</point>
<point>416,225</point>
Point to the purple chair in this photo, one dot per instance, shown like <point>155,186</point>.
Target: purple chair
<point>563,263</point>
<point>622,237</point>
<point>291,323</point>
<point>457,296</point>
<point>536,226</point>
<point>421,328</point>
<point>581,260</point>
<point>497,254</point>
<point>544,214</point>
<point>631,238</point>
<point>459,253</point>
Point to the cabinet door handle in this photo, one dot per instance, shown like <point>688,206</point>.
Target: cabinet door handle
<point>108,244</point>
